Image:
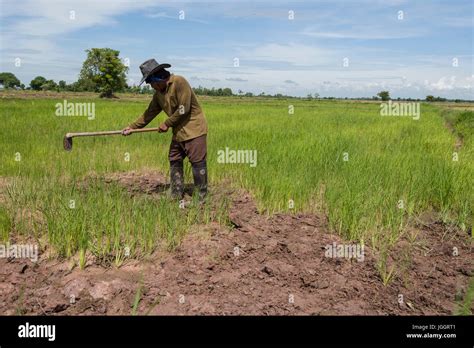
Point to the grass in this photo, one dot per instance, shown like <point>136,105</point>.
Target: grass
<point>20,309</point>
<point>465,303</point>
<point>138,297</point>
<point>101,218</point>
<point>5,224</point>
<point>397,168</point>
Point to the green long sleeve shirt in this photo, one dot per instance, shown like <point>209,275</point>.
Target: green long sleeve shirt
<point>179,102</point>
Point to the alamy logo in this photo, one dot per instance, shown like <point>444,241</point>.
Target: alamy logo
<point>400,109</point>
<point>19,251</point>
<point>237,156</point>
<point>37,331</point>
<point>346,251</point>
<point>75,109</point>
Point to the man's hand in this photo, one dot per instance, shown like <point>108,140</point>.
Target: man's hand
<point>126,131</point>
<point>163,128</point>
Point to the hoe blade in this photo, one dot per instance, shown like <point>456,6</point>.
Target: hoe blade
<point>67,142</point>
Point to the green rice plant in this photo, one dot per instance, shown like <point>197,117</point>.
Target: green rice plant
<point>387,273</point>
<point>5,224</point>
<point>465,303</point>
<point>138,296</point>
<point>376,172</point>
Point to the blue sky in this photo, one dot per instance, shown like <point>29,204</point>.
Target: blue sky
<point>410,53</point>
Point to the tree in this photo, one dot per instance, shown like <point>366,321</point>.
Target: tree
<point>103,71</point>
<point>9,80</point>
<point>37,82</point>
<point>385,95</point>
<point>85,85</point>
<point>49,85</point>
<point>147,90</point>
<point>62,85</point>
<point>227,92</point>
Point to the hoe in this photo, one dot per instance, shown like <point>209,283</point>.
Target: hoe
<point>68,137</point>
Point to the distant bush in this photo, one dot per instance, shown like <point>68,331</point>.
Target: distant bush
<point>9,80</point>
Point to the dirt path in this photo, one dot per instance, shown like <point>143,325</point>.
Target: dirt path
<point>265,265</point>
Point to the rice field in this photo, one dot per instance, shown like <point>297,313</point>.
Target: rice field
<point>370,175</point>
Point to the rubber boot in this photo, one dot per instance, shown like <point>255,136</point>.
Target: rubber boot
<point>177,180</point>
<point>200,179</point>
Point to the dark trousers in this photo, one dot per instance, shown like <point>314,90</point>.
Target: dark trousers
<point>194,149</point>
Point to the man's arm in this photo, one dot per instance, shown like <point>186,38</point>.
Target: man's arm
<point>150,113</point>
<point>183,91</point>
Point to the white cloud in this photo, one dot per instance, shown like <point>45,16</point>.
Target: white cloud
<point>366,32</point>
<point>236,79</point>
<point>176,16</point>
<point>292,53</point>
<point>39,24</point>
<point>45,18</point>
<point>450,83</point>
<point>444,83</point>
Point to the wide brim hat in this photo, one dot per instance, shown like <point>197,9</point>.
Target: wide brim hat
<point>150,67</point>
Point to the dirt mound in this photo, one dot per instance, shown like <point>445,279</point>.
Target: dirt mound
<point>151,182</point>
<point>143,182</point>
<point>264,265</point>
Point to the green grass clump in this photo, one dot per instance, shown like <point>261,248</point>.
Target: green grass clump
<point>465,303</point>
<point>5,224</point>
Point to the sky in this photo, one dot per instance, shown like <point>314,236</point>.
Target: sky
<point>351,48</point>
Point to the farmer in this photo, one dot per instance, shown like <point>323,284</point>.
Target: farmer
<point>175,97</point>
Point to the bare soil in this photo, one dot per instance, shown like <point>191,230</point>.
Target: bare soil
<point>264,265</point>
